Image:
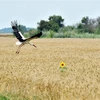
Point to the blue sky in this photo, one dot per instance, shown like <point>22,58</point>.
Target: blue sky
<point>29,12</point>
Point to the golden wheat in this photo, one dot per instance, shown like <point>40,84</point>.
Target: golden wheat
<point>35,74</point>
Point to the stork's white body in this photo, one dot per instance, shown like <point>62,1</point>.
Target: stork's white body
<point>18,43</point>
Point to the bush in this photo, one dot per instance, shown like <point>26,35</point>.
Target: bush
<point>86,35</point>
<point>48,34</point>
<point>97,31</point>
<point>66,34</point>
<point>69,34</point>
<point>59,35</point>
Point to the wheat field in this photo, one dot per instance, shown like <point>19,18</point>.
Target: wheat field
<point>34,73</point>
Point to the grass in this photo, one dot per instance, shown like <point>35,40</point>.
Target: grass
<point>34,74</point>
<point>3,98</point>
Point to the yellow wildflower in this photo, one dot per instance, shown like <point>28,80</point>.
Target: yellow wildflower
<point>62,64</point>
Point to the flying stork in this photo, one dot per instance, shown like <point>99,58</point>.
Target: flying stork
<point>22,40</point>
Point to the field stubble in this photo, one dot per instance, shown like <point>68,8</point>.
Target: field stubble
<point>34,74</point>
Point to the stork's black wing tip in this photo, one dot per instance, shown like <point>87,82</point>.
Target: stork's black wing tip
<point>14,24</point>
<point>37,35</point>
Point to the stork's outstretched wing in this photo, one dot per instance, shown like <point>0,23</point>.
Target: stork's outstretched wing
<point>35,36</point>
<point>16,32</point>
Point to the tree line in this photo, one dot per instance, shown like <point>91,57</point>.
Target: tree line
<point>54,27</point>
<point>89,25</point>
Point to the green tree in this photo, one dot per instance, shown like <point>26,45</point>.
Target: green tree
<point>98,21</point>
<point>85,20</point>
<point>57,19</point>
<point>54,23</point>
<point>80,28</point>
<point>87,25</point>
<point>53,26</point>
<point>43,25</point>
<point>91,27</point>
<point>97,31</point>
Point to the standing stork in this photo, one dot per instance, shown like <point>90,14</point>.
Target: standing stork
<point>22,40</point>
